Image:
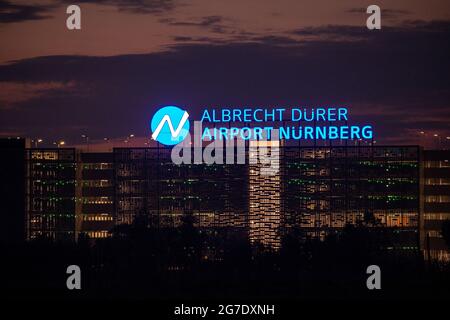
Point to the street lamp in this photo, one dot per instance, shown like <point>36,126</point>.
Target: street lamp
<point>108,142</point>
<point>438,139</point>
<point>36,142</point>
<point>129,138</point>
<point>422,138</point>
<point>60,143</point>
<point>86,137</point>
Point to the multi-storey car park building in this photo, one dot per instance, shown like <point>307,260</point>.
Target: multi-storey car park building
<point>68,193</point>
<point>317,189</point>
<point>322,189</point>
<point>12,190</point>
<point>326,188</point>
<point>95,194</point>
<point>148,184</point>
<point>436,179</point>
<point>51,178</point>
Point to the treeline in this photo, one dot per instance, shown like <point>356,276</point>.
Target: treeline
<point>141,262</point>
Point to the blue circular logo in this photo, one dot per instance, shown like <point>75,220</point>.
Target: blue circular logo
<point>170,125</point>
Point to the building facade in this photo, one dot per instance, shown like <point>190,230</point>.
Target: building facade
<point>265,189</point>
<point>95,194</point>
<point>50,193</point>
<point>316,189</point>
<point>148,184</point>
<point>12,190</point>
<point>320,190</point>
<point>329,187</point>
<point>436,180</point>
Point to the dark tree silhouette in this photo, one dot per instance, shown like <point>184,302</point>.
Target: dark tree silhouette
<point>446,232</point>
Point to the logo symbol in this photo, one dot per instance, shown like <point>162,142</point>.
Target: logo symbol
<point>163,122</point>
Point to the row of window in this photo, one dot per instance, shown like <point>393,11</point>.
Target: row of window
<point>97,217</point>
<point>98,234</point>
<point>97,183</point>
<point>97,200</point>
<point>437,164</point>
<point>436,216</point>
<point>437,181</point>
<point>98,166</point>
<point>437,199</point>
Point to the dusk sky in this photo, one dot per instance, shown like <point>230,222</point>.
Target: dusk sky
<point>132,57</point>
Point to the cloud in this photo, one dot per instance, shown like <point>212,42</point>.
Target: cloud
<point>397,79</point>
<point>213,23</point>
<point>196,39</point>
<point>339,33</point>
<point>13,93</point>
<point>201,22</point>
<point>135,6</point>
<point>11,12</point>
<point>385,13</point>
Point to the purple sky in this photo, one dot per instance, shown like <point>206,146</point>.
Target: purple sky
<point>132,57</point>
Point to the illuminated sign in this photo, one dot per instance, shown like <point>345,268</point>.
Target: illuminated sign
<point>305,124</point>
<point>317,123</point>
<point>162,125</point>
